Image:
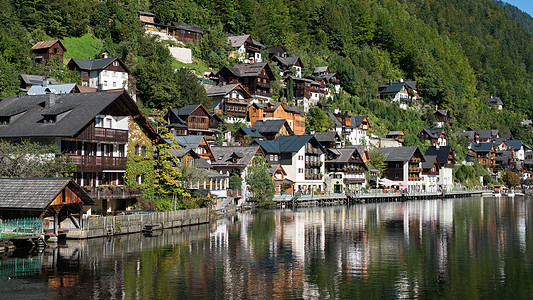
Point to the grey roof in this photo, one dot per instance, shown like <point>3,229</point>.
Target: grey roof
<point>276,49</point>
<point>181,152</point>
<point>337,122</point>
<point>344,155</point>
<point>393,133</point>
<point>36,193</point>
<point>443,112</point>
<point>275,106</point>
<point>96,64</point>
<point>222,90</point>
<point>495,100</point>
<point>247,70</point>
<point>288,144</point>
<point>429,160</point>
<point>186,110</point>
<point>269,126</point>
<point>434,133</point>
<point>486,133</point>
<point>393,88</point>
<point>287,61</point>
<point>320,69</point>
<point>442,153</point>
<point>189,141</point>
<point>398,153</point>
<point>223,155</point>
<point>34,79</point>
<point>360,148</point>
<point>514,145</point>
<point>482,147</point>
<point>74,112</point>
<point>468,134</point>
<point>188,27</point>
<point>60,88</point>
<point>329,136</point>
<point>252,132</point>
<point>525,122</point>
<point>145,13</point>
<point>356,121</point>
<point>498,141</point>
<point>238,40</point>
<point>312,82</point>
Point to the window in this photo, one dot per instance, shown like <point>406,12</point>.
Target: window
<point>137,150</point>
<point>105,82</point>
<point>108,123</point>
<point>143,151</point>
<point>115,63</point>
<point>114,84</point>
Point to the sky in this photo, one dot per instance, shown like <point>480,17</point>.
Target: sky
<point>524,5</point>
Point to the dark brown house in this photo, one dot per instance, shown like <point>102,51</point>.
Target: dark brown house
<point>193,119</point>
<point>48,50</point>
<point>443,116</point>
<point>255,78</point>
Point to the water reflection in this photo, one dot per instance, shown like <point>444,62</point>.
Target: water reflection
<point>476,247</point>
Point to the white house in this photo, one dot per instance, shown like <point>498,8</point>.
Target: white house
<point>102,73</point>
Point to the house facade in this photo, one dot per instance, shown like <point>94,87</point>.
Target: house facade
<point>102,73</point>
<point>307,92</point>
<point>255,78</point>
<point>193,119</point>
<point>271,129</point>
<point>443,116</point>
<point>403,167</point>
<point>179,32</point>
<point>230,100</point>
<point>436,136</point>
<point>352,128</point>
<point>446,159</point>
<point>245,49</point>
<point>278,110</point>
<point>403,92</point>
<point>345,171</point>
<point>48,50</point>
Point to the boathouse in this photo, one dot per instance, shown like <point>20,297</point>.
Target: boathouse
<point>57,201</point>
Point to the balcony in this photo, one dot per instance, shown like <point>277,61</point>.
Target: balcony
<point>104,134</point>
<point>98,163</point>
<point>198,126</point>
<point>112,192</point>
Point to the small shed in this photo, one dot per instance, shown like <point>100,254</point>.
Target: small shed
<point>55,200</point>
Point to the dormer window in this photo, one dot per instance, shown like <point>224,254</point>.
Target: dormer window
<point>115,63</point>
<point>49,119</point>
<point>4,120</point>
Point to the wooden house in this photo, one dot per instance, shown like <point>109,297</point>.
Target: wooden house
<point>48,50</point>
<point>245,49</point>
<point>58,201</point>
<point>352,128</point>
<point>330,139</point>
<point>272,128</point>
<point>306,92</point>
<point>180,32</point>
<point>93,129</point>
<point>250,133</point>
<point>289,65</point>
<point>255,78</point>
<point>404,167</point>
<point>278,110</point>
<point>397,135</point>
<point>436,136</point>
<point>282,185</point>
<point>323,76</point>
<point>198,144</point>
<point>193,119</point>
<point>27,81</point>
<point>403,92</point>
<point>231,100</point>
<point>495,102</point>
<point>443,116</point>
<point>483,153</point>
<point>345,169</point>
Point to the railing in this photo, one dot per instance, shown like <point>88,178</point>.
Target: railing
<point>118,192</point>
<point>108,134</point>
<point>21,227</point>
<point>98,162</point>
<point>232,193</point>
<point>200,126</point>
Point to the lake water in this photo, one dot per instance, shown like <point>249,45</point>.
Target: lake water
<point>457,248</point>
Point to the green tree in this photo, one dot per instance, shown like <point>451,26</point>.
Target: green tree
<point>318,120</point>
<point>511,179</point>
<point>260,181</point>
<point>377,159</point>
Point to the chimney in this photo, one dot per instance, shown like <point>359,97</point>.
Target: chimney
<point>312,131</point>
<point>104,55</point>
<point>390,81</point>
<point>401,79</point>
<point>49,99</point>
<point>46,81</point>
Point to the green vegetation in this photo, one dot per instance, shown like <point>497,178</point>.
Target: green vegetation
<point>511,179</point>
<point>260,181</point>
<point>82,47</point>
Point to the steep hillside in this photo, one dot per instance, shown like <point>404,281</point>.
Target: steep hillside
<point>522,18</point>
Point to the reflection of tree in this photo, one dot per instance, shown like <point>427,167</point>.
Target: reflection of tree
<point>260,232</point>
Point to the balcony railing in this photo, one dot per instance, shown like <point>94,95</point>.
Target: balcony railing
<point>98,163</point>
<point>107,134</point>
<point>198,126</point>
<point>113,192</point>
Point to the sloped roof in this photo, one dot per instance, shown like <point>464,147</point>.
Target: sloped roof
<point>287,61</point>
<point>430,160</point>
<point>486,133</point>
<point>442,153</point>
<point>247,70</point>
<point>361,149</point>
<point>252,132</point>
<point>337,122</point>
<point>443,112</point>
<point>79,108</point>
<point>96,64</point>
<point>393,88</point>
<point>189,141</point>
<point>47,44</point>
<point>433,133</point>
<point>495,100</point>
<point>35,79</point>
<point>312,82</point>
<point>398,153</point>
<point>356,121</point>
<point>188,27</point>
<point>288,144</point>
<point>146,13</point>
<point>223,155</point>
<point>344,155</point>
<point>514,145</point>
<point>320,69</point>
<point>222,90</point>
<point>59,88</point>
<point>276,49</point>
<point>482,147</point>
<point>395,133</point>
<point>272,106</point>
<point>185,111</point>
<point>329,136</point>
<point>239,40</point>
<point>269,126</point>
<point>36,193</point>
<point>181,152</point>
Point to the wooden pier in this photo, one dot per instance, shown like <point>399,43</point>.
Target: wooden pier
<point>339,198</point>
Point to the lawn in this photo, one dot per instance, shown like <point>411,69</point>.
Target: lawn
<point>84,47</point>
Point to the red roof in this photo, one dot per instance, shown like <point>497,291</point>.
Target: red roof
<point>47,44</point>
<point>86,89</point>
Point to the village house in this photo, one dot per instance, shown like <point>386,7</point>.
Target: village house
<point>255,78</point>
<point>48,50</point>
<point>446,158</point>
<point>282,185</point>
<point>346,169</point>
<point>245,49</point>
<point>230,100</point>
<point>235,160</point>
<point>271,129</point>
<point>193,119</point>
<point>495,102</point>
<point>352,128</point>
<point>330,139</point>
<point>396,135</point>
<point>278,110</point>
<point>403,92</point>
<point>301,156</point>
<point>289,65</point>
<point>483,153</point>
<point>244,133</point>
<point>179,32</point>
<point>403,167</point>
<point>323,76</point>
<point>198,144</point>
<point>436,136</point>
<point>306,92</point>
<point>27,81</point>
<point>443,116</point>
<point>57,201</point>
<point>102,73</point>
<point>91,128</point>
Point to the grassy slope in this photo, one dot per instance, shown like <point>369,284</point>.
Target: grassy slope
<point>84,47</point>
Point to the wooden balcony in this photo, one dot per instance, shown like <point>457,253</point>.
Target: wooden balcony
<point>119,192</point>
<point>104,134</point>
<point>232,193</point>
<point>97,163</point>
<point>198,126</point>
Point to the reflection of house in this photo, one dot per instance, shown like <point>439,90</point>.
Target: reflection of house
<point>102,73</point>
<point>301,156</point>
<point>193,119</point>
<point>91,128</point>
<point>57,200</point>
<point>48,50</point>
<point>437,136</point>
<point>443,116</point>
<point>245,49</point>
<point>231,100</point>
<point>345,170</point>
<point>403,166</point>
<point>278,110</point>
<point>255,78</point>
<point>404,92</point>
<point>271,129</point>
<point>184,33</point>
<point>307,92</point>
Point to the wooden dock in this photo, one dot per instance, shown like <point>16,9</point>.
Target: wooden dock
<point>339,198</point>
